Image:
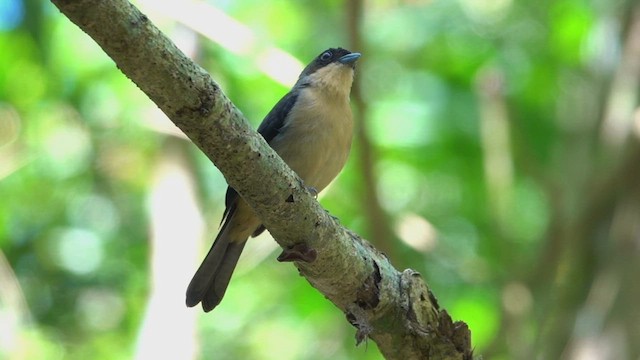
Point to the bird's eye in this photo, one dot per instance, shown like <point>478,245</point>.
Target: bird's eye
<point>326,56</point>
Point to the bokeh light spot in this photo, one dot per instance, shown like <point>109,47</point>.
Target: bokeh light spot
<point>78,251</point>
<point>100,309</point>
<point>66,151</point>
<point>417,232</point>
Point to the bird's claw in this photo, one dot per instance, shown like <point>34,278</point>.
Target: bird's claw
<point>298,252</point>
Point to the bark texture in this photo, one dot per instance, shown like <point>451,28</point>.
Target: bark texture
<point>395,309</point>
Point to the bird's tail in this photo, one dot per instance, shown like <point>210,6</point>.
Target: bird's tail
<point>212,277</point>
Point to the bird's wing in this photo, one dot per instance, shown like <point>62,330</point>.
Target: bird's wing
<point>275,119</point>
<point>269,128</point>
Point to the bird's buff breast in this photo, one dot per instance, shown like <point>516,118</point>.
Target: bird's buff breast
<point>316,139</point>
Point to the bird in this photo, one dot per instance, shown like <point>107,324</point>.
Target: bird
<point>311,129</point>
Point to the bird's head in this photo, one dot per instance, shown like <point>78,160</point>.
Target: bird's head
<point>331,70</point>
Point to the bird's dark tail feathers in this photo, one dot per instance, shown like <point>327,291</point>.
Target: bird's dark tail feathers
<point>212,278</point>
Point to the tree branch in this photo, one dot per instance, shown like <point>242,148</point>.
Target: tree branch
<point>396,310</point>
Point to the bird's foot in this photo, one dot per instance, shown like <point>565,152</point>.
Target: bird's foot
<point>298,252</point>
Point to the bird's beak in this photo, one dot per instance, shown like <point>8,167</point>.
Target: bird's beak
<point>349,58</point>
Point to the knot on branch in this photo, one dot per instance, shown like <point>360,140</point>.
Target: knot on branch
<point>420,305</point>
<point>367,298</point>
<point>368,295</point>
<point>457,333</point>
<point>208,92</point>
<point>427,319</point>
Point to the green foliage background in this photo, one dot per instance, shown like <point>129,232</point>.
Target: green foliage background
<point>491,136</point>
